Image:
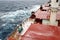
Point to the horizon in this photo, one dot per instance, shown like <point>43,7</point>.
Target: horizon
<point>22,0</point>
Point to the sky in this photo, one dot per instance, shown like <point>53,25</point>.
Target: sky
<point>21,0</point>
<point>26,0</point>
<point>17,0</point>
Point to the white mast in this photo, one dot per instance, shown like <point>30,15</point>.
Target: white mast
<point>54,6</point>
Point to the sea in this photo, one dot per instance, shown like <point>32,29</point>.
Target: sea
<point>13,13</point>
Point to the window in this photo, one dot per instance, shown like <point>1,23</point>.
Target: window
<point>49,5</point>
<point>38,20</point>
<point>56,0</point>
<point>41,7</point>
<point>59,23</point>
<point>33,15</point>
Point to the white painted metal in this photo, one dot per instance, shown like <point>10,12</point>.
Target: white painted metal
<point>26,25</point>
<point>46,22</point>
<point>54,6</point>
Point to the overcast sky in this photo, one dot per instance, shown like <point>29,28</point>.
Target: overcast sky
<point>22,0</point>
<point>17,0</point>
<point>26,0</point>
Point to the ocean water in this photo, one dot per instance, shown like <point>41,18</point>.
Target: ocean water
<point>13,13</point>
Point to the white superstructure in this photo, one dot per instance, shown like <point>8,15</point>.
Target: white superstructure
<point>54,6</point>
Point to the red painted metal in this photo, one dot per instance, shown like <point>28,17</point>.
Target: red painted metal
<point>42,32</point>
<point>46,14</point>
<point>11,38</point>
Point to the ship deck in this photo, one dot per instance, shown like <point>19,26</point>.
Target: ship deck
<point>42,32</point>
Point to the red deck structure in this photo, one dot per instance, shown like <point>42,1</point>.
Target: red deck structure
<point>39,31</point>
<point>42,32</point>
<point>46,14</point>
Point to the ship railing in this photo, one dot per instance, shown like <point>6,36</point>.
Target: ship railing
<point>16,28</point>
<point>25,20</point>
<point>12,32</point>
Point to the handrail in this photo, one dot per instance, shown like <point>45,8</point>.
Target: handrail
<point>15,29</point>
<point>12,32</point>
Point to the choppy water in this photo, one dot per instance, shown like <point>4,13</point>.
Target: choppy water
<point>13,13</point>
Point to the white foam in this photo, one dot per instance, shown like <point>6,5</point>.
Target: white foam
<point>0,39</point>
<point>3,24</point>
<point>35,8</point>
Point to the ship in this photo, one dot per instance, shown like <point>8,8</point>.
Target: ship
<point>43,24</point>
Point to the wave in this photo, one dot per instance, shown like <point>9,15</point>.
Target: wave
<point>10,20</point>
